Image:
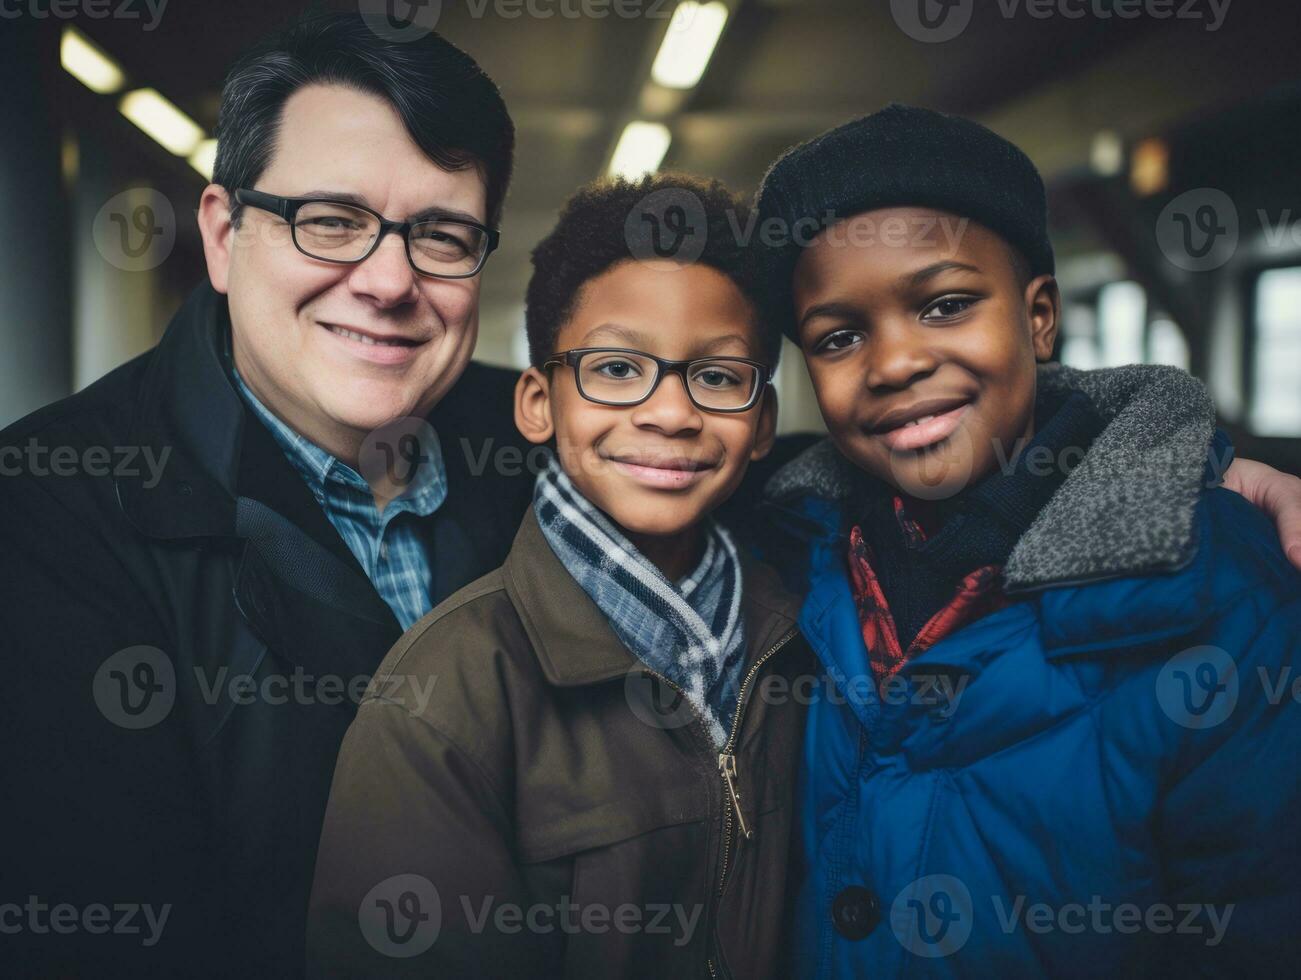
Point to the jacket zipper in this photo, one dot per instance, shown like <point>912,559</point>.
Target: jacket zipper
<point>727,761</point>
<point>727,766</point>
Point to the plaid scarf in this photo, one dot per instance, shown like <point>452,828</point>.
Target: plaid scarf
<point>689,631</point>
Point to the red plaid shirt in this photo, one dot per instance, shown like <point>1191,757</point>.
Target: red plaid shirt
<point>979,594</point>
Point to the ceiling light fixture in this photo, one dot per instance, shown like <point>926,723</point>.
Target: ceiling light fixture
<point>640,149</point>
<point>88,64</point>
<point>168,125</point>
<point>693,32</point>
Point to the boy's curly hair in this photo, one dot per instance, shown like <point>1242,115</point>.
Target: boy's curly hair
<point>602,224</point>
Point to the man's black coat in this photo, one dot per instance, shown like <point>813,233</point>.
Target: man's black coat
<point>185,634</point>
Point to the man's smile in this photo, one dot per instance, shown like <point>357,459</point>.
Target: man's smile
<point>379,347</point>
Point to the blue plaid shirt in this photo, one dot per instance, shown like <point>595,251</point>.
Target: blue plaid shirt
<point>388,545</point>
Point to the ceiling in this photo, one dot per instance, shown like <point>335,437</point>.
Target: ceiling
<point>784,70</point>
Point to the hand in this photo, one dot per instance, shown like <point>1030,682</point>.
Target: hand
<point>1278,494</point>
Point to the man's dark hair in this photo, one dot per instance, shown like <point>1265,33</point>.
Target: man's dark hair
<point>594,233</point>
<point>451,108</point>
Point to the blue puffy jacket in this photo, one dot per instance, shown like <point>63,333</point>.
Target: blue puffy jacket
<point>1104,778</point>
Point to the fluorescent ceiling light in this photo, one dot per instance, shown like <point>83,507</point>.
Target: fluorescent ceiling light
<point>204,156</point>
<point>163,121</point>
<point>693,31</point>
<point>88,64</point>
<point>640,149</point>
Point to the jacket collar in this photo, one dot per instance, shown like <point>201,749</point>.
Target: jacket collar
<point>1119,616</point>
<point>574,643</point>
<point>1127,509</point>
<point>188,410</point>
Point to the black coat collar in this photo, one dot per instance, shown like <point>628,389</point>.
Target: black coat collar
<point>217,449</point>
<point>187,409</point>
<point>220,455</point>
<point>226,485</point>
<point>218,452</point>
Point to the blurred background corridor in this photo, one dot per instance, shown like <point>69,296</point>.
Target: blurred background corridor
<point>1169,132</point>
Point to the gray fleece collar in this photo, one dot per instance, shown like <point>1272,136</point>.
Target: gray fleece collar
<point>1127,509</point>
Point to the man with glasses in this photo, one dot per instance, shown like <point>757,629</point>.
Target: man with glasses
<point>190,641</point>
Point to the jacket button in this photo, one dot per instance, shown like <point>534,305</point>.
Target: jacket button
<point>855,912</point>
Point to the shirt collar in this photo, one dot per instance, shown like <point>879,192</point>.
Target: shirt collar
<point>319,468</point>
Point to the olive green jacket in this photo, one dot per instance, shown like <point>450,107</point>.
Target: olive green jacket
<point>520,797</point>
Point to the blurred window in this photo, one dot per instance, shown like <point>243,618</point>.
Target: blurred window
<point>1122,312</point>
<point>1080,336</point>
<point>1166,344</point>
<point>1275,401</point>
<point>1115,326</point>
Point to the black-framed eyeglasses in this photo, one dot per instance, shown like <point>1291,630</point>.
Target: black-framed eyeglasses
<point>332,231</point>
<point>618,376</point>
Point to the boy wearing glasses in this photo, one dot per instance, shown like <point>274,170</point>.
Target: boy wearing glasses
<point>600,784</point>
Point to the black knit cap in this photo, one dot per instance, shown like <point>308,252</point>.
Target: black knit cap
<point>901,156</point>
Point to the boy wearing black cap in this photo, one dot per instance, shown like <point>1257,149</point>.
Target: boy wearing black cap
<point>1051,640</point>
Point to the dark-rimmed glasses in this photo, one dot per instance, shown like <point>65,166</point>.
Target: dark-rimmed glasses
<point>619,376</point>
<point>333,231</point>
